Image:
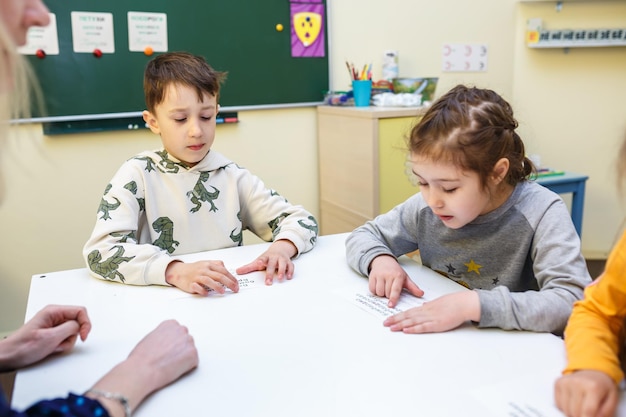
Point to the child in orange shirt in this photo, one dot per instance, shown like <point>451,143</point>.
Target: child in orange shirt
<point>595,337</point>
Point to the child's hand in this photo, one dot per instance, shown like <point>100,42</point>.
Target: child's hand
<point>444,313</point>
<point>586,393</point>
<point>200,277</point>
<point>276,261</point>
<point>387,279</point>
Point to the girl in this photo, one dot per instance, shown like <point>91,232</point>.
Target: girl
<point>595,338</point>
<point>477,220</point>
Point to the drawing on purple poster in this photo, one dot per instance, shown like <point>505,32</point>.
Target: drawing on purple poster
<point>307,30</point>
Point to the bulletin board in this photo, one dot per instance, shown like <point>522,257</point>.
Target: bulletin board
<point>254,41</point>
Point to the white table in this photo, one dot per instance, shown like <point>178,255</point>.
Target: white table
<point>298,348</point>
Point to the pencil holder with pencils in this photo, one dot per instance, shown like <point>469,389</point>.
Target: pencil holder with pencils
<point>361,84</point>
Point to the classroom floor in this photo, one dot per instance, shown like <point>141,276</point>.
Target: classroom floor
<point>7,379</point>
<point>595,267</point>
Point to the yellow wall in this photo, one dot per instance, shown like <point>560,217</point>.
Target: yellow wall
<point>361,30</point>
<point>569,108</point>
<point>570,105</point>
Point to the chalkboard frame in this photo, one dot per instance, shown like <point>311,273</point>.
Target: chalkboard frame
<point>282,86</point>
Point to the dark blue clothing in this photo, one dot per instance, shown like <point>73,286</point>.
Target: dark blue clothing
<point>72,406</point>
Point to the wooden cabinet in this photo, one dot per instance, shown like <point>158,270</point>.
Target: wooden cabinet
<point>363,163</point>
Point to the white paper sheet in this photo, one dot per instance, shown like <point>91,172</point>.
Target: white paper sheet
<point>376,305</point>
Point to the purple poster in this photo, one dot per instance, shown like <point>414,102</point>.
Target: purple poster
<point>307,30</point>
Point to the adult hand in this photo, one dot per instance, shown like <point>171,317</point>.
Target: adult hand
<point>275,261</point>
<point>444,313</point>
<point>177,355</point>
<point>200,277</point>
<point>586,393</point>
<point>387,279</point>
<point>54,329</point>
<point>160,358</point>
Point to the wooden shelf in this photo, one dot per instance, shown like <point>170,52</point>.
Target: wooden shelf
<point>575,44</point>
<point>538,37</point>
<point>568,1</point>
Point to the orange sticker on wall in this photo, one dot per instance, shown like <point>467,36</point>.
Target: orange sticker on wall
<point>532,36</point>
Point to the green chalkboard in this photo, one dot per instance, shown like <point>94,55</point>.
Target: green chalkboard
<point>237,36</point>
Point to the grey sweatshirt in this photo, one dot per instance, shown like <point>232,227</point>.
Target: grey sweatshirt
<point>524,258</point>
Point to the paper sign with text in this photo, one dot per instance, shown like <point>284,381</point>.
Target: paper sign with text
<point>377,306</point>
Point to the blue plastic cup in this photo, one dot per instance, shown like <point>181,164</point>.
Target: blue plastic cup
<point>362,90</point>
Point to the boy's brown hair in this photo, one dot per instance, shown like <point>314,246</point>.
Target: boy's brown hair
<point>179,68</point>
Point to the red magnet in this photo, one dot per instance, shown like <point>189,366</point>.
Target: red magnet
<point>41,54</point>
<point>97,53</point>
<point>148,50</point>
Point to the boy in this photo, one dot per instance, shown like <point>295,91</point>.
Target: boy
<point>186,198</point>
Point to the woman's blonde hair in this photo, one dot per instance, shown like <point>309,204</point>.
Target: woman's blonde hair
<point>18,89</point>
<point>621,168</point>
<point>16,79</point>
